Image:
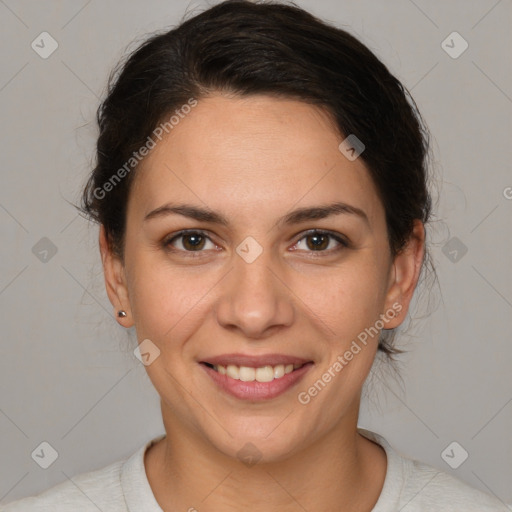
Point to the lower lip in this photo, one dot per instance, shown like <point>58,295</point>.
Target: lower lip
<point>257,390</point>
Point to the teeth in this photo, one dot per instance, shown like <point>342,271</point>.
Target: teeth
<point>278,371</point>
<point>261,374</point>
<point>247,374</point>
<point>264,374</point>
<point>232,371</point>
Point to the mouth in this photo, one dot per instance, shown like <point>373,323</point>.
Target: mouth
<point>256,378</point>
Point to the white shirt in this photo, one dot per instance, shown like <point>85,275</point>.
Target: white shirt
<point>409,486</point>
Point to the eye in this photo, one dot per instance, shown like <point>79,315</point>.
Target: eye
<point>322,241</point>
<point>194,241</point>
<point>190,241</point>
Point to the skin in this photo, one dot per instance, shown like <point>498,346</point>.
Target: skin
<point>254,160</point>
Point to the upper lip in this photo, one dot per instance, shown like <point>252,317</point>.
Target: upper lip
<point>254,361</point>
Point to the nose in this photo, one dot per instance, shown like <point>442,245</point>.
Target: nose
<point>255,299</point>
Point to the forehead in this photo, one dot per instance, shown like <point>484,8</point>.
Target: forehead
<point>235,153</point>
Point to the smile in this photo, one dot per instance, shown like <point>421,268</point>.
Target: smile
<point>255,378</point>
<point>261,374</point>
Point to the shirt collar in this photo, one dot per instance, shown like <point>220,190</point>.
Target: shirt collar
<point>394,480</point>
<point>137,492</point>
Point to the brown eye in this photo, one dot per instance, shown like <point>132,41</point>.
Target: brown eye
<point>193,242</point>
<point>322,241</point>
<point>317,242</point>
<point>188,241</point>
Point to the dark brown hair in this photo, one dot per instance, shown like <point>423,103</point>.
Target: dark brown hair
<point>243,48</point>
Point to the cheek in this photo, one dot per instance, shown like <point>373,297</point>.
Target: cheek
<point>346,299</point>
<point>165,302</point>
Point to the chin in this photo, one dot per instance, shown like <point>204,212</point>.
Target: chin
<point>264,442</point>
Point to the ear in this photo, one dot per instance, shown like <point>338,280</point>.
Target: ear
<point>404,274</point>
<point>115,280</point>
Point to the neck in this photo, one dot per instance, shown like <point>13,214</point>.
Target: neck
<point>340,471</point>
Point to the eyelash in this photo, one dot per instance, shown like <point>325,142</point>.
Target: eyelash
<point>167,243</point>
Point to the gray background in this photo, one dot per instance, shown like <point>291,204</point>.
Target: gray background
<point>68,375</point>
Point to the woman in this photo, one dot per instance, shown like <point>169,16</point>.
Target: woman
<point>261,190</point>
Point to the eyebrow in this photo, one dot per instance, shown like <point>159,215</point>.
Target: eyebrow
<point>295,217</point>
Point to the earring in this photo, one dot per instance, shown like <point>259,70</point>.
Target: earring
<point>121,313</point>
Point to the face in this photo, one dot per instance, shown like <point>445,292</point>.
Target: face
<point>255,309</point>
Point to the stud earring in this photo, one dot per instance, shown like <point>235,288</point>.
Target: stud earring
<point>121,313</point>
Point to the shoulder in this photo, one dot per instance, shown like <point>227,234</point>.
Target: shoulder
<point>413,486</point>
<point>428,488</point>
<point>91,491</point>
